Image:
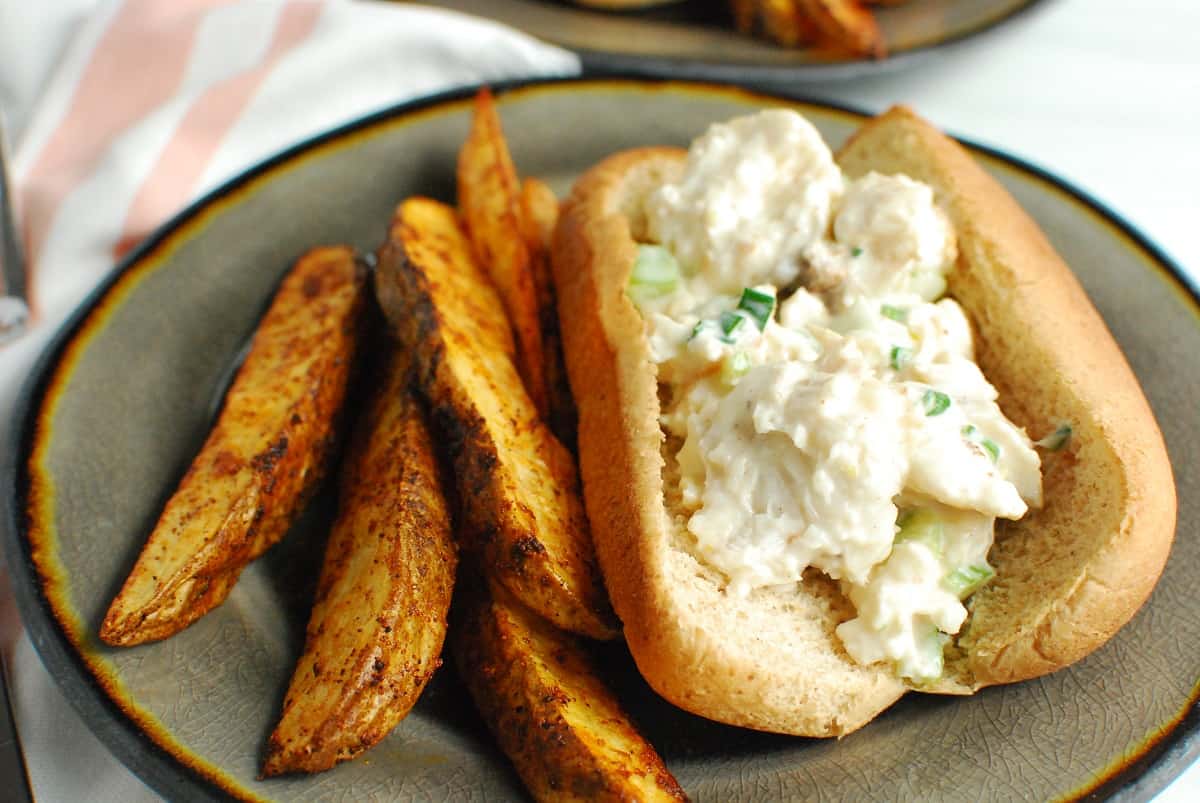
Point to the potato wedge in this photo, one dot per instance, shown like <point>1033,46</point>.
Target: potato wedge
<point>489,196</point>
<point>518,485</point>
<point>269,449</point>
<point>539,216</point>
<point>560,726</point>
<point>376,630</point>
<point>745,15</point>
<point>845,25</point>
<point>782,22</point>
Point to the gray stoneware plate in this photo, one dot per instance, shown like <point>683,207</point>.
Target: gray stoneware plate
<point>696,38</point>
<point>122,399</point>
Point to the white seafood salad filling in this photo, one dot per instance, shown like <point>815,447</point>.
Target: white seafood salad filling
<point>847,428</point>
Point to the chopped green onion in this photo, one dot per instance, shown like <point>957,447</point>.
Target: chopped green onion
<point>655,273</point>
<point>989,445</point>
<point>935,402</point>
<point>730,321</point>
<point>753,306</point>
<point>900,357</point>
<point>734,367</point>
<point>966,580</point>
<point>1056,439</point>
<point>895,313</point>
<point>757,305</point>
<point>921,525</point>
<point>856,251</point>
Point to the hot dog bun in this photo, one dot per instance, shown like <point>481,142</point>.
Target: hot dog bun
<point>1068,575</point>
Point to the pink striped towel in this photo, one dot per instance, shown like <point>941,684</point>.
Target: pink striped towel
<point>120,113</point>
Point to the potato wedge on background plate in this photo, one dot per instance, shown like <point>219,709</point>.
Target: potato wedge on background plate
<point>782,22</point>
<point>376,630</point>
<point>263,459</point>
<point>558,723</point>
<point>539,207</point>
<point>846,26</point>
<point>518,485</point>
<point>489,195</point>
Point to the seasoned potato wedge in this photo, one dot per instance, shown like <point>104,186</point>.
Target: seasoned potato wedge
<point>489,195</point>
<point>781,22</point>
<point>845,25</point>
<point>261,461</point>
<point>518,485</point>
<point>540,216</point>
<point>377,626</point>
<point>745,15</point>
<point>562,728</point>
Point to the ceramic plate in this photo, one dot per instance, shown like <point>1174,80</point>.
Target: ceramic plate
<point>696,39</point>
<point>122,399</point>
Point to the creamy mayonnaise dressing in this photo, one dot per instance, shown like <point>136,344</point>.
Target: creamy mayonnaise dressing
<point>851,430</point>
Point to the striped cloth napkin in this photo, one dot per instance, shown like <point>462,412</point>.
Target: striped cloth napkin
<point>122,111</point>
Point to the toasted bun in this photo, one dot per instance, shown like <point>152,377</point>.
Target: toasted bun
<point>1068,576</point>
<point>1071,574</point>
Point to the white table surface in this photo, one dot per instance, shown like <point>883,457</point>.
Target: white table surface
<point>1105,93</point>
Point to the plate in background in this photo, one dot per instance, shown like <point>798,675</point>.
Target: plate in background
<point>696,38</point>
<point>120,402</point>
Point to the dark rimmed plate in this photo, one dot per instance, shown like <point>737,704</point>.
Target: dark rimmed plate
<point>695,39</point>
<point>121,399</point>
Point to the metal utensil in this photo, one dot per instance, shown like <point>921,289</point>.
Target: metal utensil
<point>14,298</point>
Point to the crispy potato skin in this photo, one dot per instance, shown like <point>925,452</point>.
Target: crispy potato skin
<point>518,485</point>
<point>376,630</point>
<point>489,195</point>
<point>263,459</point>
<point>539,217</point>
<point>562,728</point>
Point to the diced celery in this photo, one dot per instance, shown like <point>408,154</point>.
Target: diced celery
<point>734,367</point>
<point>966,580</point>
<point>932,643</point>
<point>655,273</point>
<point>929,285</point>
<point>900,357</point>
<point>895,313</point>
<point>923,526</point>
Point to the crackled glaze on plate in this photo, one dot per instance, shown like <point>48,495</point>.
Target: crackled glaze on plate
<point>122,399</point>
